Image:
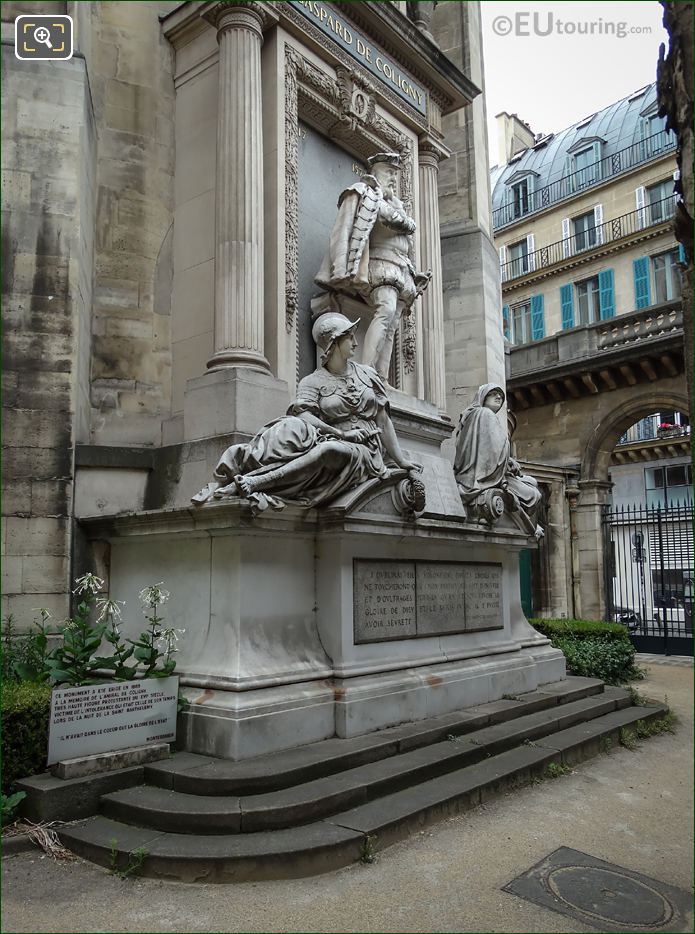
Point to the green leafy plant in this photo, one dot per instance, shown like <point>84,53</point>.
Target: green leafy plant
<point>23,654</point>
<point>368,849</point>
<point>593,649</point>
<point>628,738</point>
<point>556,769</point>
<point>151,655</point>
<point>9,804</point>
<point>605,744</point>
<point>24,710</point>
<point>136,859</point>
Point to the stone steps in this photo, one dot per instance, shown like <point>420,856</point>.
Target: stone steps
<point>312,800</point>
<point>225,838</point>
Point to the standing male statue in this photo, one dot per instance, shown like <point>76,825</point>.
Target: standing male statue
<point>370,256</point>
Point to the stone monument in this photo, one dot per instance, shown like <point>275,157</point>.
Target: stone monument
<point>329,576</point>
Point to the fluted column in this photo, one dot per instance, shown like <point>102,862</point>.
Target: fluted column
<point>239,188</point>
<point>429,154</point>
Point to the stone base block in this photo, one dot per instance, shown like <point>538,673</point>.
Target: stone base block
<point>232,400</point>
<point>109,761</point>
<point>245,724</point>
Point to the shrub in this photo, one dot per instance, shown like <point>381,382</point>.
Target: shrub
<point>593,649</point>
<point>582,629</point>
<point>25,711</point>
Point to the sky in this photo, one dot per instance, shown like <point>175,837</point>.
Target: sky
<point>552,81</point>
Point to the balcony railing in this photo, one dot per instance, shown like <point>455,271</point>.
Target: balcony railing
<point>589,239</point>
<point>579,181</point>
<point>650,429</point>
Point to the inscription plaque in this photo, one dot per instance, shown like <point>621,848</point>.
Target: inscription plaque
<point>384,600</point>
<point>416,599</point>
<point>483,596</point>
<point>440,597</point>
<point>105,717</point>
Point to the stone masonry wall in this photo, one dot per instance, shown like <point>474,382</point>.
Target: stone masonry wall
<point>48,196</point>
<point>131,75</point>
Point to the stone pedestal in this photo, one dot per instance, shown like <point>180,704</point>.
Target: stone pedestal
<point>232,400</point>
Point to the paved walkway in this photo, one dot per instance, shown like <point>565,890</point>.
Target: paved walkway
<point>630,808</point>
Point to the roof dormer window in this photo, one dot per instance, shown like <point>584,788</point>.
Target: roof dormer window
<point>583,166</point>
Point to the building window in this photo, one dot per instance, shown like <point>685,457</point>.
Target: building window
<point>585,231</point>
<point>586,168</point>
<point>588,301</point>
<point>660,200</point>
<point>667,276</point>
<point>518,258</point>
<point>521,323</point>
<point>668,486</point>
<point>656,137</point>
<point>521,198</point>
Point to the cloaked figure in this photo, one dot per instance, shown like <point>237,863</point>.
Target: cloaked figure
<point>490,481</point>
<point>370,256</point>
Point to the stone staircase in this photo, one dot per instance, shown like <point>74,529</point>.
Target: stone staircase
<point>320,807</point>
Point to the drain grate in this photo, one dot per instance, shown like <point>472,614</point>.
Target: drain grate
<point>603,895</point>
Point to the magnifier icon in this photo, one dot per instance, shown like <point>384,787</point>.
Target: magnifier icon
<point>43,35</point>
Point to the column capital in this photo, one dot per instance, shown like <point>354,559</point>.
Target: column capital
<point>229,14</point>
<point>431,150</point>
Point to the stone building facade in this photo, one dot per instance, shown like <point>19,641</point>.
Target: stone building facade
<point>593,315</point>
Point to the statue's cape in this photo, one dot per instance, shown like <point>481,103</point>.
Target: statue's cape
<point>482,447</point>
<point>345,266</point>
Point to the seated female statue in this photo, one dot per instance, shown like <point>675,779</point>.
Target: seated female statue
<point>483,457</point>
<point>333,437</point>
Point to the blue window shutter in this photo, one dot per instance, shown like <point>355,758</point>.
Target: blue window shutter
<point>537,322</point>
<point>567,305</point>
<point>640,269</point>
<point>505,322</point>
<point>606,294</point>
<point>681,254</point>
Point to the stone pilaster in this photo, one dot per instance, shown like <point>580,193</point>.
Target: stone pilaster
<point>429,154</point>
<point>239,270</point>
<point>589,549</point>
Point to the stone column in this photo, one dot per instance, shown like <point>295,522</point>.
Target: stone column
<point>239,188</point>
<point>429,154</point>
<point>589,542</point>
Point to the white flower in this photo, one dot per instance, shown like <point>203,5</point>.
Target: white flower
<point>154,595</point>
<point>88,583</point>
<point>168,638</point>
<point>110,608</point>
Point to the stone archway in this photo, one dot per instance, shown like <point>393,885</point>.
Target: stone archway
<point>597,454</point>
<point>594,488</point>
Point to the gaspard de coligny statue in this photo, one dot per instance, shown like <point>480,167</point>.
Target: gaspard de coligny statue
<point>370,256</point>
<point>490,481</point>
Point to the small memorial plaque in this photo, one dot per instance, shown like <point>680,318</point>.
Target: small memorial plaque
<point>105,717</point>
<point>440,598</point>
<point>384,600</point>
<point>483,596</point>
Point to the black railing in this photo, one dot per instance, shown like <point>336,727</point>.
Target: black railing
<point>590,238</point>
<point>568,187</point>
<point>649,429</point>
<point>649,575</point>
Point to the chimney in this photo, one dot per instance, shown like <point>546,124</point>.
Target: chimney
<point>513,136</point>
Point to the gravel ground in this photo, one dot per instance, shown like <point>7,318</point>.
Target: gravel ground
<point>634,809</point>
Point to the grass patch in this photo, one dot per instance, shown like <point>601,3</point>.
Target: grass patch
<point>556,769</point>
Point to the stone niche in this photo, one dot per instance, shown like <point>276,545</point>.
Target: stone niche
<point>286,640</point>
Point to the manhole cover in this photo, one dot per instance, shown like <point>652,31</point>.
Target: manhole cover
<point>603,895</point>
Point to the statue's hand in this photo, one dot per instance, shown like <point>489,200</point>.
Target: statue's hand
<point>358,435</point>
<point>411,466</point>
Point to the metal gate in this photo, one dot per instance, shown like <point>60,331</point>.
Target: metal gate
<point>648,575</point>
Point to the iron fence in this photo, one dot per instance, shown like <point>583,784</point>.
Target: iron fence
<point>579,181</point>
<point>649,575</point>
